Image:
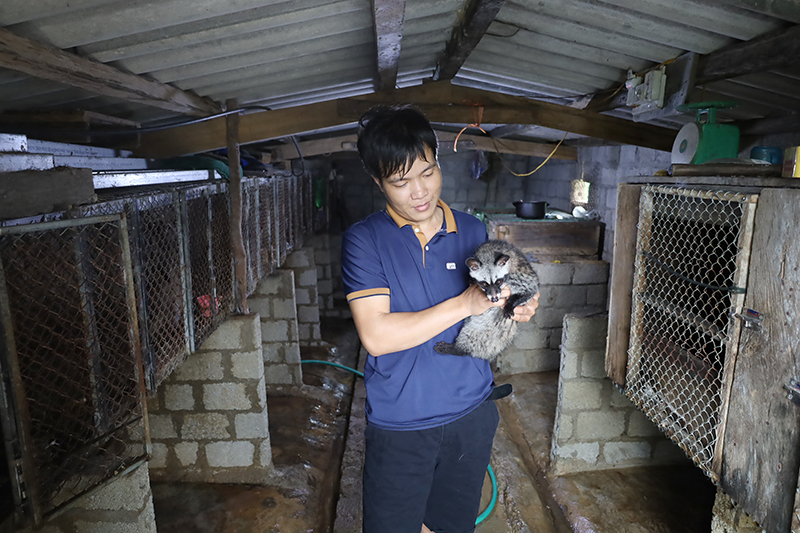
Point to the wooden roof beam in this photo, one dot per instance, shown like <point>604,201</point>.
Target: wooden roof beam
<point>41,61</point>
<point>441,101</point>
<point>388,17</point>
<point>479,14</point>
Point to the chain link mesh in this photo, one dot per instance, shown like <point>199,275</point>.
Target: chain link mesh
<point>688,265</point>
<point>73,357</point>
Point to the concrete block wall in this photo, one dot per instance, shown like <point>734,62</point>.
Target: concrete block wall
<point>274,301</point>
<point>597,427</point>
<point>123,505</point>
<point>208,420</point>
<point>330,291</point>
<point>566,287</point>
<point>303,263</point>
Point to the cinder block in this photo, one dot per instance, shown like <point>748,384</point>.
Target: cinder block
<point>564,429</point>
<point>205,426</point>
<point>291,353</point>
<point>620,400</point>
<point>199,366</point>
<point>226,397</point>
<point>274,330</point>
<point>304,333</point>
<point>272,352</point>
<point>278,374</point>
<point>252,426</point>
<point>235,333</point>
<point>316,334</point>
<point>600,425</point>
<point>162,427</point>
<point>585,331</point>
<point>569,364</point>
<point>269,285</point>
<point>588,452</point>
<point>566,296</point>
<point>297,259</point>
<point>554,273</point>
<point>581,394</point>
<point>265,453</point>
<point>590,272</point>
<point>153,403</point>
<point>260,305</point>
<point>178,397</point>
<point>322,256</point>
<point>514,361</point>
<point>530,337</point>
<point>641,426</point>
<point>597,296</point>
<point>593,364</point>
<point>621,452</point>
<point>307,278</point>
<point>123,493</point>
<point>292,330</point>
<point>247,365</point>
<point>186,452</point>
<point>158,455</point>
<point>308,314</point>
<point>228,454</point>
<point>324,286</point>
<point>549,317</point>
<point>555,338</point>
<point>303,296</point>
<point>283,308</point>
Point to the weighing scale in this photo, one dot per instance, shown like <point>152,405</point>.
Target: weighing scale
<point>704,139</point>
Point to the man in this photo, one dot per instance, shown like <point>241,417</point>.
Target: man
<point>430,421</point>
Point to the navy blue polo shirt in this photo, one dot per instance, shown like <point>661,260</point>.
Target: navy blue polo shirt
<point>385,254</point>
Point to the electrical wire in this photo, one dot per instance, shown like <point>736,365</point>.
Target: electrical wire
<point>542,163</point>
<point>492,477</point>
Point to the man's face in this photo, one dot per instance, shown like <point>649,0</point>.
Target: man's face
<point>414,194</point>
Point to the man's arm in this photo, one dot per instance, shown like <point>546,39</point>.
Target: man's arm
<point>382,331</point>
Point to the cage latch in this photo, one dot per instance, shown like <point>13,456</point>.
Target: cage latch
<point>752,319</point>
<point>794,391</point>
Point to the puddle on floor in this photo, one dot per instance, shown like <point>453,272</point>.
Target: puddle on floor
<point>307,426</point>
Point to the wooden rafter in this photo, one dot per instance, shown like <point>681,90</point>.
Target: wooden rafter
<point>41,61</point>
<point>466,36</point>
<point>347,143</point>
<point>388,18</point>
<point>440,101</point>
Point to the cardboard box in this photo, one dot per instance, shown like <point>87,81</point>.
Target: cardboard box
<point>791,162</point>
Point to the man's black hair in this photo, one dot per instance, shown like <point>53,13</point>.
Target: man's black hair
<point>391,138</point>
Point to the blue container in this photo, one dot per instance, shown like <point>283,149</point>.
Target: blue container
<point>772,154</point>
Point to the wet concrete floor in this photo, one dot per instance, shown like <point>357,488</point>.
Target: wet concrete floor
<point>308,426</point>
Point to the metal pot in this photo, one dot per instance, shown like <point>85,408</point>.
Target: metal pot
<point>530,209</point>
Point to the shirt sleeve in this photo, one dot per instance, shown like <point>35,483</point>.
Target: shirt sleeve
<point>362,271</point>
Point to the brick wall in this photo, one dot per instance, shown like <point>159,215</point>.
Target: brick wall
<point>274,300</point>
<point>566,287</point>
<point>208,420</point>
<point>596,427</point>
<point>122,505</point>
<point>330,291</point>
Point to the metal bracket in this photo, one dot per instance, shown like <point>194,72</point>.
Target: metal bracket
<point>752,319</point>
<point>794,391</point>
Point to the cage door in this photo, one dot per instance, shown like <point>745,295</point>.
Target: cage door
<point>690,278</point>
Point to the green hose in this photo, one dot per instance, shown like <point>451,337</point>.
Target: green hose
<point>485,514</point>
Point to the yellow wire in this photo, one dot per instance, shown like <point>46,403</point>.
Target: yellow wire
<point>543,162</point>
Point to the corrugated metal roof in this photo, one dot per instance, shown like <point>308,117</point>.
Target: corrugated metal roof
<point>284,53</point>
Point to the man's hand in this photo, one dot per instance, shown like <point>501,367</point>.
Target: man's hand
<point>523,313</point>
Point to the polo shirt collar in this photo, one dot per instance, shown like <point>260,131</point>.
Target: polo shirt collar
<point>449,219</point>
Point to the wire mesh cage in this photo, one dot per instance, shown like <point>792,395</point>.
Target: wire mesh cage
<point>690,277</point>
<point>268,225</point>
<point>69,350</point>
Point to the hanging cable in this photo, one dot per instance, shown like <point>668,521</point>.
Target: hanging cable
<point>543,162</point>
<point>477,116</point>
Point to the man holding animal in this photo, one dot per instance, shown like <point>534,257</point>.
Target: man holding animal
<point>430,418</point>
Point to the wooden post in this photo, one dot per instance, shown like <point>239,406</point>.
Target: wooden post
<point>235,187</point>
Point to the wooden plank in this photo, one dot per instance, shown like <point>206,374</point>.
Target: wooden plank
<point>388,17</point>
<point>760,459</point>
<point>34,192</point>
<point>620,298</point>
<point>479,14</point>
<point>550,238</point>
<point>732,343</point>
<point>35,59</point>
<point>342,143</point>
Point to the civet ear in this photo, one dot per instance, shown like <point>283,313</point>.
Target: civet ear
<point>473,263</point>
<point>501,260</point>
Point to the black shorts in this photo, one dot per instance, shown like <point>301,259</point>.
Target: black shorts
<point>431,476</point>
